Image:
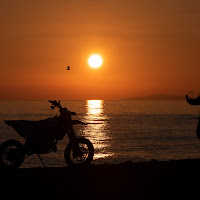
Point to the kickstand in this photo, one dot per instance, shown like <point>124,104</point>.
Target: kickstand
<point>41,161</point>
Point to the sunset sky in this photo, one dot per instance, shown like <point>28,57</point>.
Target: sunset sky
<point>147,46</point>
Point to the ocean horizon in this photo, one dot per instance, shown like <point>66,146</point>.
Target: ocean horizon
<point>154,97</point>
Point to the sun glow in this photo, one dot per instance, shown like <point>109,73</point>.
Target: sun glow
<point>95,61</point>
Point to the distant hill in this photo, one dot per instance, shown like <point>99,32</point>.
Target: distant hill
<point>157,97</point>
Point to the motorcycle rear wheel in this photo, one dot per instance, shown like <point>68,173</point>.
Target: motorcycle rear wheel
<point>82,156</point>
<point>11,154</point>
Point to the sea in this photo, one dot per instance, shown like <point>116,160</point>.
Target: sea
<point>120,131</point>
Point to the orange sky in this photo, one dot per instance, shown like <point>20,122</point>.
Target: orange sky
<point>148,47</point>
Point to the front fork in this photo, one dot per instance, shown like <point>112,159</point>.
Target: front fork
<point>75,145</point>
<point>71,135</point>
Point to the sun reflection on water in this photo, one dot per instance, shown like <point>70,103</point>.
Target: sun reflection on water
<point>94,107</point>
<point>97,130</point>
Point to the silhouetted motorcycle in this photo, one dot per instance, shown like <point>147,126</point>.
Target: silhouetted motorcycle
<point>42,137</point>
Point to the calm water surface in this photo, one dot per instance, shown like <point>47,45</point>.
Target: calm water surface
<point>120,130</point>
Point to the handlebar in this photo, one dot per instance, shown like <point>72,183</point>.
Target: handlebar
<point>55,104</point>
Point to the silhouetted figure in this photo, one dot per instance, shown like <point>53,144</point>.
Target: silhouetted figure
<point>193,101</point>
<point>198,129</point>
<point>68,68</point>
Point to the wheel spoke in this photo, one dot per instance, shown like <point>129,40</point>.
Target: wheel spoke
<point>81,155</point>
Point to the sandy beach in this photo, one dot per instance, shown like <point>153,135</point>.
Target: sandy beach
<point>173,179</point>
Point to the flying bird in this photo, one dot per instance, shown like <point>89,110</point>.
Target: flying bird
<point>68,68</point>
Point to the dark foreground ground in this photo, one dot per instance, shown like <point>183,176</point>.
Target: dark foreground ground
<point>178,179</point>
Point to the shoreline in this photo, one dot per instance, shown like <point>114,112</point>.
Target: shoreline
<point>154,179</point>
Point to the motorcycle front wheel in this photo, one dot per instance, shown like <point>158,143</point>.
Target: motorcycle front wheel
<point>11,154</point>
<point>79,154</point>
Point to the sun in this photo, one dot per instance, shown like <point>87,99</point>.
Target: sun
<point>95,61</point>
